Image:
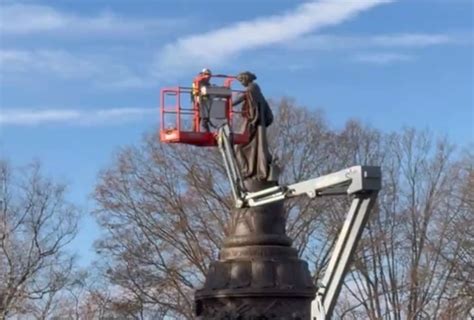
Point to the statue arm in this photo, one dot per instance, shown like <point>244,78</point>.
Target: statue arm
<point>238,99</point>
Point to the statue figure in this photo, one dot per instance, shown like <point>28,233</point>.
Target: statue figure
<point>254,158</point>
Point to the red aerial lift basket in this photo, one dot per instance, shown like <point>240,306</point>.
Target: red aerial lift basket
<point>180,124</point>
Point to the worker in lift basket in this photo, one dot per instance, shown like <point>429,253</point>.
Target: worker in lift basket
<point>202,102</point>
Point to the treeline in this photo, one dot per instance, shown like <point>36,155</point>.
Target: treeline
<point>163,211</point>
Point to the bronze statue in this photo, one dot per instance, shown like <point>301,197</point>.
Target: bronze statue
<point>254,158</point>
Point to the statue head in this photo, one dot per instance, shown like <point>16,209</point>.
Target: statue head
<point>245,78</point>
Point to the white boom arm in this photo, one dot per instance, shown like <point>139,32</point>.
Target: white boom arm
<point>326,297</point>
<point>360,182</point>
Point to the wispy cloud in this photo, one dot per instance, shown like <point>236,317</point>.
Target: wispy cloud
<point>101,70</point>
<point>28,117</point>
<point>403,40</point>
<point>216,46</point>
<point>383,58</point>
<point>379,49</point>
<point>26,19</point>
<point>412,40</point>
<point>57,62</point>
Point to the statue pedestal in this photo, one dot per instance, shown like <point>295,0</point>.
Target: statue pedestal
<point>258,274</point>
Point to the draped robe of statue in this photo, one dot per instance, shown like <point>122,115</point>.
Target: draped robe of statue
<point>254,158</point>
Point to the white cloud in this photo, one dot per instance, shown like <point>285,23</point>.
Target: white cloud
<point>27,117</point>
<point>23,19</point>
<point>383,58</point>
<point>405,40</point>
<point>412,40</point>
<point>57,62</point>
<point>216,46</point>
<point>101,70</point>
<point>378,43</point>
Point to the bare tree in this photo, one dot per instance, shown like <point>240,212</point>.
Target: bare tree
<point>164,209</point>
<point>36,223</point>
<point>89,297</point>
<point>412,247</point>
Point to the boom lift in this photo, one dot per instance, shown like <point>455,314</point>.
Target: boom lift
<point>361,183</point>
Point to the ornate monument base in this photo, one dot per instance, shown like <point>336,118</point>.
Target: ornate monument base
<point>259,274</point>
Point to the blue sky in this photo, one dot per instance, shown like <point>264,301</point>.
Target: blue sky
<point>80,79</point>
